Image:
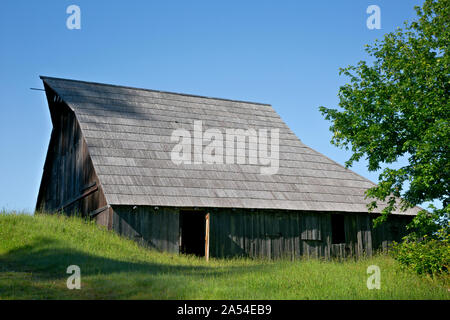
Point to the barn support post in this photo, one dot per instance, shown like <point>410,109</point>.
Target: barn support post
<point>207,237</point>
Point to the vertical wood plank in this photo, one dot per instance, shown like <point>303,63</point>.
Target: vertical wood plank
<point>207,237</point>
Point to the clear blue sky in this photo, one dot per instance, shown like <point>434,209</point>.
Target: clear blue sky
<point>286,53</point>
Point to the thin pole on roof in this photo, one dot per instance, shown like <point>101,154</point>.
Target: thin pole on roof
<point>37,89</point>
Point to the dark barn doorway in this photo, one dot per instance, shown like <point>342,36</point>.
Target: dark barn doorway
<point>337,229</point>
<point>192,232</point>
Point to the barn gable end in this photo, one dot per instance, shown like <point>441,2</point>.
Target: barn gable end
<point>69,181</point>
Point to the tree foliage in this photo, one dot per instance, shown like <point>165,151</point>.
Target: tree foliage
<point>429,256</point>
<point>398,107</point>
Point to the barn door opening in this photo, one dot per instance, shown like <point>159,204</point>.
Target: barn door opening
<point>337,229</point>
<point>193,232</point>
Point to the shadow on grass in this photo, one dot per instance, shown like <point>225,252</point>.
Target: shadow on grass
<point>47,260</point>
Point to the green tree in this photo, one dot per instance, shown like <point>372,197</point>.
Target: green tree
<point>398,107</point>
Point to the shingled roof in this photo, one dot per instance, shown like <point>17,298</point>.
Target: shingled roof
<point>128,132</point>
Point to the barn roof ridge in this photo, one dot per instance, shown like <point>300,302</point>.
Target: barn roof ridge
<point>157,91</point>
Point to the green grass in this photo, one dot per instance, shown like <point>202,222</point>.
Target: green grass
<point>35,252</point>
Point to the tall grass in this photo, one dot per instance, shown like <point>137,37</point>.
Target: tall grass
<point>35,252</point>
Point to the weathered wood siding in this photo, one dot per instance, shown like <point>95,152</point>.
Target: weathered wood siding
<point>393,230</point>
<point>358,239</point>
<point>69,182</point>
<point>158,229</point>
<point>277,234</point>
<point>268,234</point>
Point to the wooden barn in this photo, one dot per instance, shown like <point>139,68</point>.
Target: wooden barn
<point>109,158</point>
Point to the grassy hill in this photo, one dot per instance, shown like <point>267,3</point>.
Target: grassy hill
<point>35,252</point>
